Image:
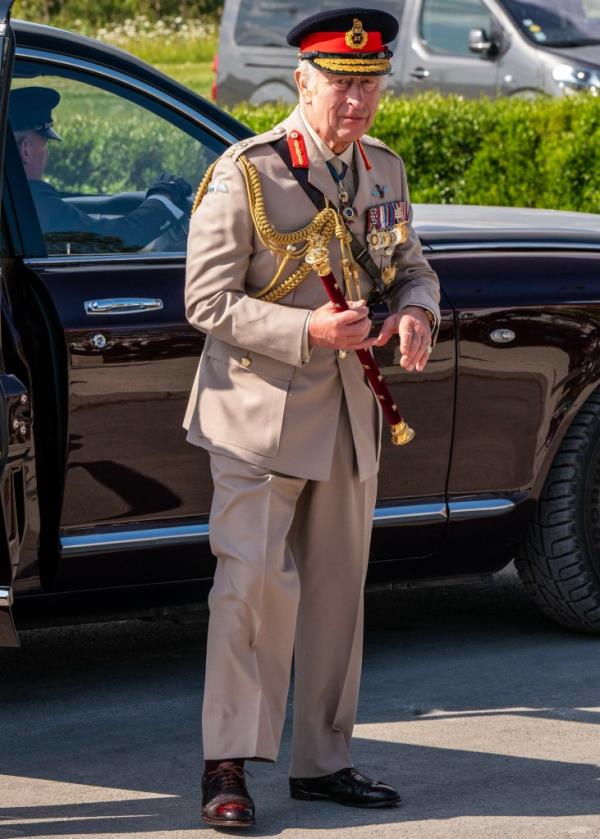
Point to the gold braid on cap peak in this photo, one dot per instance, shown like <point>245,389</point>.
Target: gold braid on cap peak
<point>292,245</point>
<point>354,65</point>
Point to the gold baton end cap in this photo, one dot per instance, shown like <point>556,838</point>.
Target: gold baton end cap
<point>402,434</point>
<point>318,258</point>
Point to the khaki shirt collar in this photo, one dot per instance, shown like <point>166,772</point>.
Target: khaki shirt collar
<point>347,155</point>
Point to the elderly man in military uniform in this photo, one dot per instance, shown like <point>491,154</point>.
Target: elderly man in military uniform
<point>281,403</point>
<point>30,115</point>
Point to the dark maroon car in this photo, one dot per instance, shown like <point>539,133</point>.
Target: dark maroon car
<point>105,506</point>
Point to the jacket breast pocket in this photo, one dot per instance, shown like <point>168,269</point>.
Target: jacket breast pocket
<point>242,396</point>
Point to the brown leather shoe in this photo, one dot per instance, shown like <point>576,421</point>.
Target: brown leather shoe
<point>225,799</point>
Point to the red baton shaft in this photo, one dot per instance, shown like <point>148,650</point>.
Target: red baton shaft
<point>401,432</point>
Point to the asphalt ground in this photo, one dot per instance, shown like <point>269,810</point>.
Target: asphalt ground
<point>480,710</point>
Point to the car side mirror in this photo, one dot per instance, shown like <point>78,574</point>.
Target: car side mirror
<point>480,43</point>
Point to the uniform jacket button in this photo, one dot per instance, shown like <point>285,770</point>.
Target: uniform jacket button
<point>246,362</point>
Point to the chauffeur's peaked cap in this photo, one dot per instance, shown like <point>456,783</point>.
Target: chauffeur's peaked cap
<point>30,109</point>
<point>347,41</point>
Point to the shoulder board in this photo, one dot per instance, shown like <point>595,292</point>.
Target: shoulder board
<point>252,142</point>
<point>378,144</point>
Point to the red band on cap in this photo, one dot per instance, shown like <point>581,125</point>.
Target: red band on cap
<point>335,42</point>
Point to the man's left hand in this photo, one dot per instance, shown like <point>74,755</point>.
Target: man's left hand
<point>177,189</point>
<point>412,325</point>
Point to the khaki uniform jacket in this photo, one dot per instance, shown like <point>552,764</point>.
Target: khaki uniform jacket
<point>255,396</point>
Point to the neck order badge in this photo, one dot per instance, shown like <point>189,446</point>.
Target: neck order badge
<point>348,212</point>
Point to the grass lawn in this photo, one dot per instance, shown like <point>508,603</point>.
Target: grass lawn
<point>198,76</point>
<point>81,101</point>
<point>182,50</point>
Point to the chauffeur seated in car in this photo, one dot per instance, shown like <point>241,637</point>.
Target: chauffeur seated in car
<point>165,204</point>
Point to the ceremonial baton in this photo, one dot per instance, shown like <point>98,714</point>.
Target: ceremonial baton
<point>318,258</point>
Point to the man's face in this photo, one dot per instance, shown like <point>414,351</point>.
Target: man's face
<point>340,108</point>
<point>34,154</point>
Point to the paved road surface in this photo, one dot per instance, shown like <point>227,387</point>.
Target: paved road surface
<point>481,711</point>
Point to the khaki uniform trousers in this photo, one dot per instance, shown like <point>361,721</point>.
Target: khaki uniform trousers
<point>292,558</point>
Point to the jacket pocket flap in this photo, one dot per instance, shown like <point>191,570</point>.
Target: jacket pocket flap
<point>253,362</point>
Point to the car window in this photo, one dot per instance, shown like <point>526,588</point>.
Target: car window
<point>90,187</point>
<point>445,24</point>
<point>265,23</point>
<point>557,22</point>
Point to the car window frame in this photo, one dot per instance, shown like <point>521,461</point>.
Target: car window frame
<point>236,16</point>
<point>154,99</point>
<point>451,55</point>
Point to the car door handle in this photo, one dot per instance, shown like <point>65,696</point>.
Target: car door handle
<point>420,73</point>
<point>122,305</point>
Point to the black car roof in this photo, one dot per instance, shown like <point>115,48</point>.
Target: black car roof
<point>442,224</point>
<point>41,37</point>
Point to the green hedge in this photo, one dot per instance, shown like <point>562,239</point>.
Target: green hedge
<point>512,152</point>
<point>105,12</point>
<point>101,155</point>
<point>544,153</point>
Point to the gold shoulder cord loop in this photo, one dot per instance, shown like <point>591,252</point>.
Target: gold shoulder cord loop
<point>292,245</point>
<point>203,186</point>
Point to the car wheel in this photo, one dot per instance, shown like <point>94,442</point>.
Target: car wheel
<point>559,560</point>
<point>529,95</point>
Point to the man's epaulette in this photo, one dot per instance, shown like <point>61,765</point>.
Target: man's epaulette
<point>379,144</point>
<point>251,142</point>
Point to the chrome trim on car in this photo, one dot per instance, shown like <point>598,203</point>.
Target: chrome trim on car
<point>410,514</point>
<point>149,259</point>
<point>156,537</point>
<point>6,598</point>
<point>113,75</point>
<point>122,305</point>
<point>81,544</point>
<point>479,507</point>
<point>510,244</point>
<point>120,540</point>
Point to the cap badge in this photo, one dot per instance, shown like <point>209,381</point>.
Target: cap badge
<point>356,38</point>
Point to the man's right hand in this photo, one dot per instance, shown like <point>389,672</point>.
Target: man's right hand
<point>337,330</point>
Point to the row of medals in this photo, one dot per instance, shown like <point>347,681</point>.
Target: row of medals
<point>383,240</point>
<point>379,240</point>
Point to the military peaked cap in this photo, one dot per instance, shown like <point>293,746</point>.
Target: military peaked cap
<point>30,109</point>
<point>352,41</point>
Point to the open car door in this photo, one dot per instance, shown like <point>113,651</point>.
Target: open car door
<point>14,399</point>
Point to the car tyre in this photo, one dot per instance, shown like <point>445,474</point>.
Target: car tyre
<point>559,559</point>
